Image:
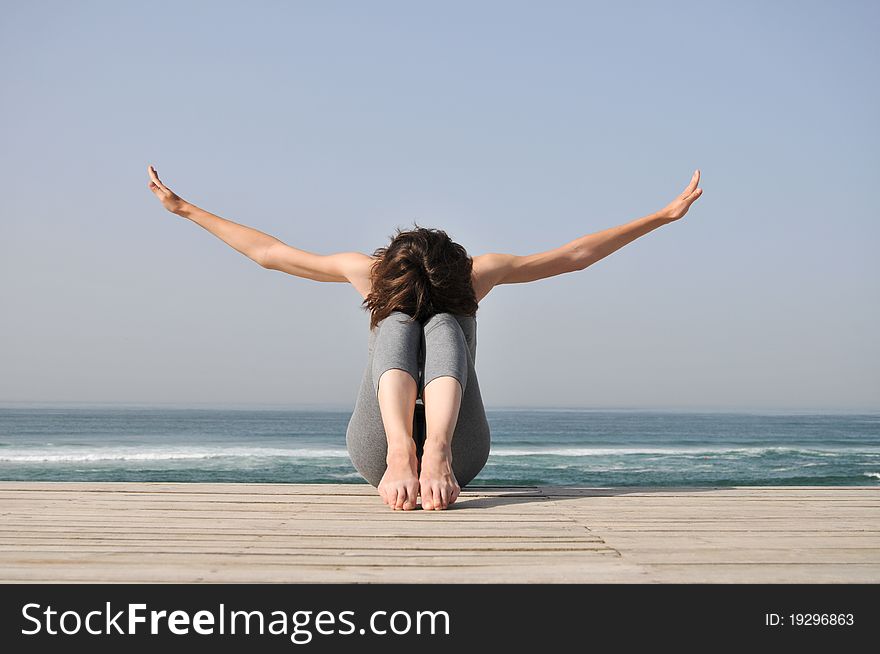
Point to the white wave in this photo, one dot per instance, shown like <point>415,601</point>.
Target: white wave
<point>174,454</point>
<point>146,454</point>
<point>875,475</point>
<point>347,475</point>
<point>687,452</point>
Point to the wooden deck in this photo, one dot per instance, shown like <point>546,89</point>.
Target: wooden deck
<point>159,532</point>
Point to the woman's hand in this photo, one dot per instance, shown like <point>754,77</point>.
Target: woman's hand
<point>167,197</point>
<point>680,205</point>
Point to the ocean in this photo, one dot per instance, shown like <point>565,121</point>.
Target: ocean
<point>529,446</point>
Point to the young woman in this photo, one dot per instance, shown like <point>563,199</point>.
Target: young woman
<point>419,427</point>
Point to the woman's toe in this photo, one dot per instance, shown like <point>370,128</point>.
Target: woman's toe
<point>427,499</point>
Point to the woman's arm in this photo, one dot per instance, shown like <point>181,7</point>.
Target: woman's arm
<point>493,269</point>
<point>266,250</point>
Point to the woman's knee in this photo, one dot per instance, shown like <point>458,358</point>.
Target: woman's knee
<point>442,317</point>
<point>398,345</point>
<point>398,326</point>
<point>399,318</point>
<point>446,353</point>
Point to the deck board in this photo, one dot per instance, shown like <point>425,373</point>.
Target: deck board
<point>164,532</point>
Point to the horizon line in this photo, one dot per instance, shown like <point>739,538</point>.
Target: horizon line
<point>335,407</point>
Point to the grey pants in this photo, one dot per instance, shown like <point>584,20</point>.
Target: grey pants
<point>445,345</point>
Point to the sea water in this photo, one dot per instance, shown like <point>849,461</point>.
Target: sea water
<point>559,446</point>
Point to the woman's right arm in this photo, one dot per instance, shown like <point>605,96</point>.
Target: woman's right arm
<point>266,250</point>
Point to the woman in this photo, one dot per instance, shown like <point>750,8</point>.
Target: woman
<point>422,431</point>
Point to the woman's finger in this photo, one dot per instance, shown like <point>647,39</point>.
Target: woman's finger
<point>162,193</point>
<point>155,177</point>
<point>695,179</point>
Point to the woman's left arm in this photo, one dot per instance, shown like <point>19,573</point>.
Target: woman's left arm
<point>591,248</point>
<point>493,269</point>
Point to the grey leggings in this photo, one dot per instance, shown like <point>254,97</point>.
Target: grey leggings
<point>445,345</point>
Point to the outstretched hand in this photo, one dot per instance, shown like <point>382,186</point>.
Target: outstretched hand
<point>680,205</point>
<point>167,197</point>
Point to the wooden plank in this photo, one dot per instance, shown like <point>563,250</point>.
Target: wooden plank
<point>596,571</point>
<point>463,507</point>
<point>377,545</point>
<point>765,573</point>
<point>187,488</point>
<point>11,560</point>
<point>120,531</point>
<point>363,489</point>
<point>736,539</point>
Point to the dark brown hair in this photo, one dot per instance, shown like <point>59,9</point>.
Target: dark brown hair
<point>422,272</point>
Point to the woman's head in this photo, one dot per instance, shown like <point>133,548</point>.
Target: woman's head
<point>421,272</point>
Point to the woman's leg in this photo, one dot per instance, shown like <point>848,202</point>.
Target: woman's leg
<point>366,439</point>
<point>437,484</point>
<point>457,434</point>
<point>395,372</point>
<point>388,360</point>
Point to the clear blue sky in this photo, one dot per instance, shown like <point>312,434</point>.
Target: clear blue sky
<point>514,126</point>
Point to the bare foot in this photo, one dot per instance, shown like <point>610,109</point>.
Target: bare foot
<point>400,484</point>
<point>437,483</point>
